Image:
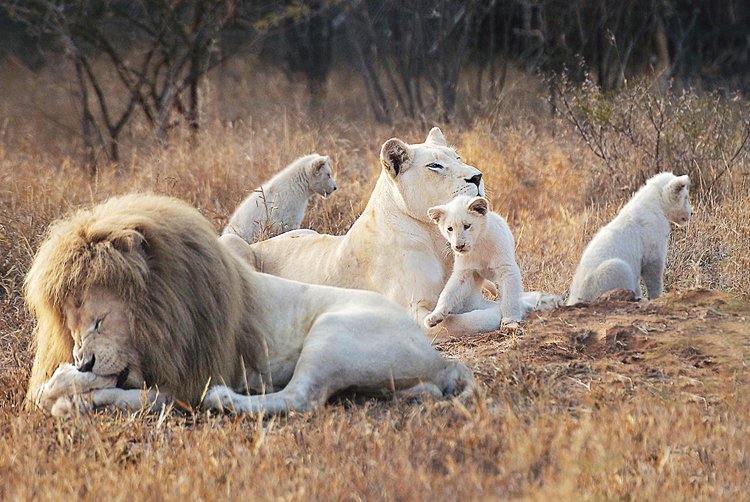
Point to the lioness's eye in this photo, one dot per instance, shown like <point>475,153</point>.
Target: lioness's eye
<point>434,166</point>
<point>450,229</point>
<point>467,226</point>
<point>97,324</point>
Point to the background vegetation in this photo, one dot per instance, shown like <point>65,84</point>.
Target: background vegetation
<point>566,107</point>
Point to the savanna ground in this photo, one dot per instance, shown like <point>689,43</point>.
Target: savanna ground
<point>616,400</point>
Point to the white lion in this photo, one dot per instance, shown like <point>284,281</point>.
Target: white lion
<point>634,244</point>
<point>393,247</point>
<point>279,204</point>
<point>483,249</point>
<point>137,304</point>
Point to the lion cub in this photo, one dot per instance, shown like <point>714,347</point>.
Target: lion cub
<point>483,249</point>
<point>279,204</point>
<point>634,244</point>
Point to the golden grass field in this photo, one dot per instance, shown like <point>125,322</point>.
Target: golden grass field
<point>635,401</point>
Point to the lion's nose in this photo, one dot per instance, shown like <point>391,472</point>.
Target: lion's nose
<point>460,247</point>
<point>476,179</point>
<point>85,367</point>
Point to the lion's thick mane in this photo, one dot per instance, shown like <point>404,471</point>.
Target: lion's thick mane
<point>191,299</point>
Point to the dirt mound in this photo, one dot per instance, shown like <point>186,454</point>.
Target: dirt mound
<point>685,340</point>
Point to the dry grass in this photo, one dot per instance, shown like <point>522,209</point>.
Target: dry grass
<point>617,401</point>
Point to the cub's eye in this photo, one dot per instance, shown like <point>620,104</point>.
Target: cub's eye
<point>450,229</point>
<point>97,324</point>
<point>434,166</point>
<point>467,226</point>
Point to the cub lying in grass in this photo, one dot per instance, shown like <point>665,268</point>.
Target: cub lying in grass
<point>279,204</point>
<point>483,249</point>
<point>634,244</point>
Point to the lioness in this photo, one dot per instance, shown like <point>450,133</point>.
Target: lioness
<point>393,247</point>
<point>138,294</point>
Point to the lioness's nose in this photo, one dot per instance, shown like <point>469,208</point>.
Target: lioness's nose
<point>85,367</point>
<point>476,179</point>
<point>460,247</point>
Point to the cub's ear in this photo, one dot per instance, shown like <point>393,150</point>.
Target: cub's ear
<point>478,205</point>
<point>677,185</point>
<point>436,137</point>
<point>436,213</point>
<point>395,156</point>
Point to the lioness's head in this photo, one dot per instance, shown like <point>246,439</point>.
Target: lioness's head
<point>462,221</point>
<point>101,326</point>
<point>428,174</point>
<point>320,175</point>
<point>676,201</point>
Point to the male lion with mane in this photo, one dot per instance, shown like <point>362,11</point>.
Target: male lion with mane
<point>137,303</point>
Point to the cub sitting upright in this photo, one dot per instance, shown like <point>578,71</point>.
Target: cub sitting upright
<point>634,244</point>
<point>279,204</point>
<point>483,249</point>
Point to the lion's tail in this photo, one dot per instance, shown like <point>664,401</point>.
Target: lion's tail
<point>457,380</point>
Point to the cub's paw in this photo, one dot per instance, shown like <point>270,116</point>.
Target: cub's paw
<point>219,398</point>
<point>433,319</point>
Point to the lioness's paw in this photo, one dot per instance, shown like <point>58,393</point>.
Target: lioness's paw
<point>510,324</point>
<point>219,398</point>
<point>433,319</point>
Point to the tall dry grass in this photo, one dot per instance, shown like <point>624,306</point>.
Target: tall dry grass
<point>538,431</point>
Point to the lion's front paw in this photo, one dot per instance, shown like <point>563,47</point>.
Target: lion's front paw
<point>66,406</point>
<point>68,382</point>
<point>434,319</point>
<point>219,398</point>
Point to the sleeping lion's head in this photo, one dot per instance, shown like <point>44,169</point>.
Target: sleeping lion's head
<point>101,325</point>
<point>428,174</point>
<point>140,289</point>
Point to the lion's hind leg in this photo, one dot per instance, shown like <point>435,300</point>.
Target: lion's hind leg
<point>456,380</point>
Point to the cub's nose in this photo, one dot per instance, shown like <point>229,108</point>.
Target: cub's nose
<point>85,367</point>
<point>476,179</point>
<point>460,247</point>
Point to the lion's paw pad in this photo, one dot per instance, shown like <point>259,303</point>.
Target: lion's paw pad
<point>219,398</point>
<point>433,320</point>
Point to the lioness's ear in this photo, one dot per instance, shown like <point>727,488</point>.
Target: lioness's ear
<point>395,156</point>
<point>479,205</point>
<point>436,136</point>
<point>319,164</point>
<point>677,185</point>
<point>435,213</point>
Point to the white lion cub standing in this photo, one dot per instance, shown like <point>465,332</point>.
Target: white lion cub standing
<point>279,204</point>
<point>634,244</point>
<point>483,249</point>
